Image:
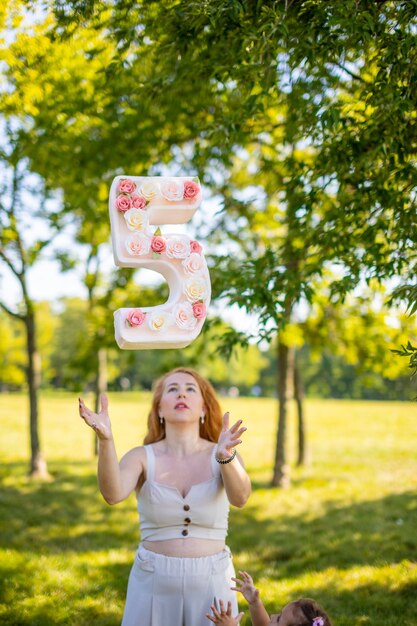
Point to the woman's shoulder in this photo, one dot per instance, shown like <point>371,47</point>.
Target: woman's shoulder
<point>137,454</point>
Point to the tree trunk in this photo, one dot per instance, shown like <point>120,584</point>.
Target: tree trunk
<point>299,398</point>
<point>281,475</point>
<point>100,386</point>
<point>38,467</point>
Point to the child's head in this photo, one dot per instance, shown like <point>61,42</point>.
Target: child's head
<point>302,612</point>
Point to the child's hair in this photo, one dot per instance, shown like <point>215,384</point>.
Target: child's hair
<point>312,613</point>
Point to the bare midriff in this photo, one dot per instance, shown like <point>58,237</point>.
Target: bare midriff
<point>190,547</point>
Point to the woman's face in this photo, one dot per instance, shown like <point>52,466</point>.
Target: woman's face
<point>291,614</point>
<point>181,399</point>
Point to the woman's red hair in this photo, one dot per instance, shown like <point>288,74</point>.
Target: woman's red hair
<point>212,426</point>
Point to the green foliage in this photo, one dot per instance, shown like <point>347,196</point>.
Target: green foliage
<point>410,351</point>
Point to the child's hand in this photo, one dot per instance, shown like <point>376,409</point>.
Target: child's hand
<point>246,587</point>
<point>223,616</point>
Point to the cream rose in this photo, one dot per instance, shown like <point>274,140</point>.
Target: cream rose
<point>172,190</point>
<point>148,189</point>
<point>178,247</point>
<point>160,320</point>
<point>126,185</point>
<point>138,244</point>
<point>194,263</point>
<point>196,288</point>
<point>184,316</point>
<point>136,219</point>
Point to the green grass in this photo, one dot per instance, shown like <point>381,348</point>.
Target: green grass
<point>344,533</point>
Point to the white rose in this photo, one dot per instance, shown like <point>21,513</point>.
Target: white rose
<point>193,264</point>
<point>184,316</point>
<point>172,190</point>
<point>178,247</point>
<point>196,288</point>
<point>159,320</point>
<point>136,219</point>
<point>138,244</point>
<point>148,189</point>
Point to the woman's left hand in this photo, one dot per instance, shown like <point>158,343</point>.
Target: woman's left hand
<point>229,437</point>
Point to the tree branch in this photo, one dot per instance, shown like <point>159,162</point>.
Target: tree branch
<point>12,313</point>
<point>11,266</point>
<point>352,74</point>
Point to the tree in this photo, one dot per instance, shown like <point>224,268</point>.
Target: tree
<point>320,93</point>
<point>18,253</point>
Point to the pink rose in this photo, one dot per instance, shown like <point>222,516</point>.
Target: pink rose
<point>199,310</point>
<point>191,190</point>
<point>138,202</point>
<point>195,246</point>
<point>123,203</point>
<point>135,317</point>
<point>158,244</point>
<point>126,186</point>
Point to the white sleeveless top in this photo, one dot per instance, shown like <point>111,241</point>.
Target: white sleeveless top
<point>165,514</point>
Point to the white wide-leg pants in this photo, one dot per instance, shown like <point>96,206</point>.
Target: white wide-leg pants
<point>172,591</point>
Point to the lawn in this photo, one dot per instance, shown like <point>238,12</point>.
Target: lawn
<point>344,533</point>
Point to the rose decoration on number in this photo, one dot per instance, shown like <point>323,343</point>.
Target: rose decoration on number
<point>149,190</point>
<point>160,320</point>
<point>123,203</point>
<point>158,244</point>
<point>184,316</point>
<point>138,244</point>
<point>138,202</point>
<point>199,310</point>
<point>126,185</point>
<point>196,289</point>
<point>134,201</point>
<point>195,246</point>
<point>135,317</point>
<point>172,190</point>
<point>136,219</point>
<point>191,190</point>
<point>178,247</point>
<point>194,263</point>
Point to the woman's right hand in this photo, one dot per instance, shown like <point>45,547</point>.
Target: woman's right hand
<point>99,422</point>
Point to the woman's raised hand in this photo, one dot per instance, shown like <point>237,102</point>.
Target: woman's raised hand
<point>99,422</point>
<point>229,437</point>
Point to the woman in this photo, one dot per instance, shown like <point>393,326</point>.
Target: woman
<point>184,483</point>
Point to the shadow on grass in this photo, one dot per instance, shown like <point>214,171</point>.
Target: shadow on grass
<point>67,519</point>
<point>367,533</point>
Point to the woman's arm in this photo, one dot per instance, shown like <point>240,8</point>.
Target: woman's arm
<point>116,481</point>
<point>235,478</point>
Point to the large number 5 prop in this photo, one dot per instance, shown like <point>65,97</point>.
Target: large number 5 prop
<point>136,203</point>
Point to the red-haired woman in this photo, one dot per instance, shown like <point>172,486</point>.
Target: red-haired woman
<point>184,476</point>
